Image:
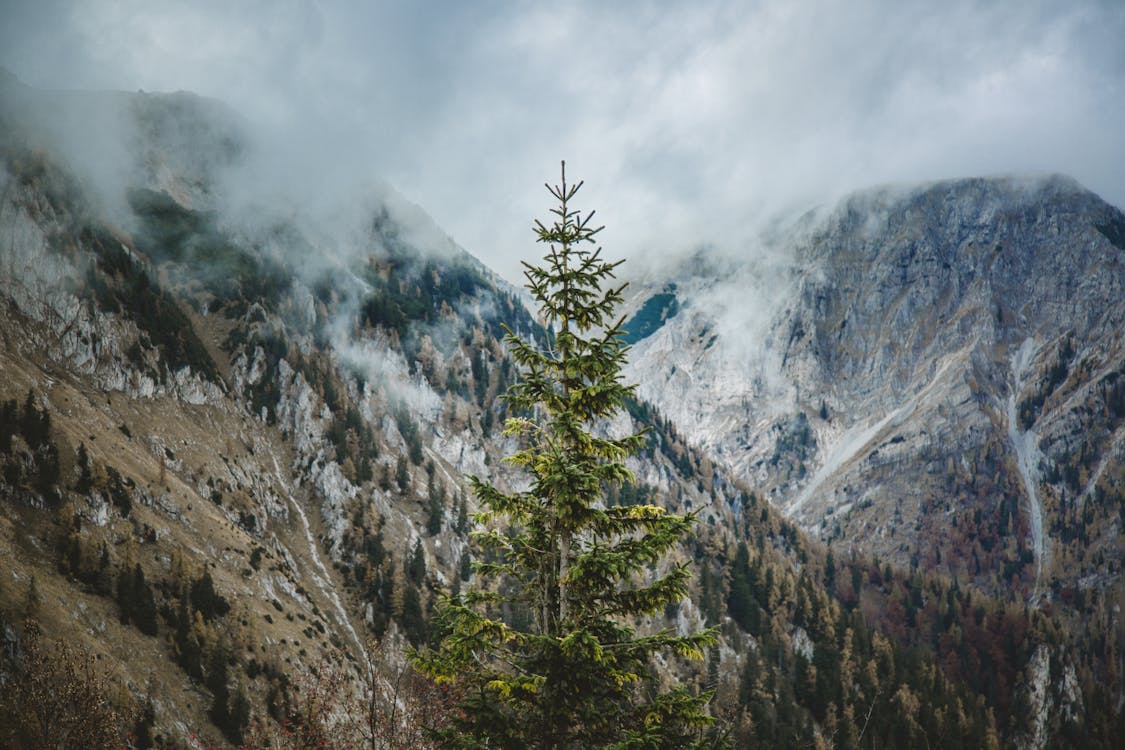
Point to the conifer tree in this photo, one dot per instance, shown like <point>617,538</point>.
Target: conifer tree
<point>31,600</point>
<point>435,506</point>
<point>578,674</point>
<point>144,604</point>
<point>85,478</point>
<point>462,524</point>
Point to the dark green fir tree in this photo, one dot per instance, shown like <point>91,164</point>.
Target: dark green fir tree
<point>544,651</point>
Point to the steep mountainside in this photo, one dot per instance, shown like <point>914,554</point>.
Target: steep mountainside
<point>937,380</point>
<point>232,456</point>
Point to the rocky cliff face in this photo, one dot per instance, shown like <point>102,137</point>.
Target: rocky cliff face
<point>934,378</point>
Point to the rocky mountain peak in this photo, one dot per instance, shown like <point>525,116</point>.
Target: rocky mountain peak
<point>885,357</point>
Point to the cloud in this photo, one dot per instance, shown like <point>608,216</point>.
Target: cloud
<point>691,123</point>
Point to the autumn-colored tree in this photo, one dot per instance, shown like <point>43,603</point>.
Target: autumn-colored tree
<point>55,697</point>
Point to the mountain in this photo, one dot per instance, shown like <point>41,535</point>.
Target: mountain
<point>235,425</point>
<point>934,377</point>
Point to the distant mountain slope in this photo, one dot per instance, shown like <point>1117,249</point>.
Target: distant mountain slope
<point>939,381</point>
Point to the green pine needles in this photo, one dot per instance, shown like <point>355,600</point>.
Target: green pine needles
<point>576,673</point>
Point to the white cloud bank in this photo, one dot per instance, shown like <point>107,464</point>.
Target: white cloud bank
<point>690,122</point>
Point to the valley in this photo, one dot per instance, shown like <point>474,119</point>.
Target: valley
<point>235,447</point>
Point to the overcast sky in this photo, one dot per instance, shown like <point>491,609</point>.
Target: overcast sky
<point>690,122</point>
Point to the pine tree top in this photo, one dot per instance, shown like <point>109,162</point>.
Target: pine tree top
<point>579,674</point>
